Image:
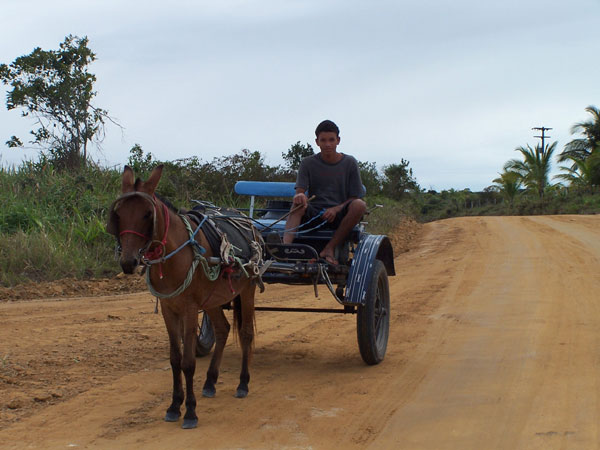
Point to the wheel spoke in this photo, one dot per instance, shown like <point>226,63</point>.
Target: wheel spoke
<point>380,314</point>
<point>378,319</point>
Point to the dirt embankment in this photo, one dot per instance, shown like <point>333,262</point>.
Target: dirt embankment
<point>71,287</point>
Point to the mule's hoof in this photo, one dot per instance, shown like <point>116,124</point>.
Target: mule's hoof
<point>208,393</point>
<point>241,393</point>
<point>189,423</point>
<point>172,416</point>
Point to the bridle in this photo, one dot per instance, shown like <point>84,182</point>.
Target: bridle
<point>145,253</point>
<point>156,256</point>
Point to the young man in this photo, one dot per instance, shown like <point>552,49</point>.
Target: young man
<point>334,179</point>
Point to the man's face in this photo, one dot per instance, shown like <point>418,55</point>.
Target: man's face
<point>328,142</point>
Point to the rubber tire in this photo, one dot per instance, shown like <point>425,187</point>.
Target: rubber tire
<point>206,337</point>
<point>373,318</point>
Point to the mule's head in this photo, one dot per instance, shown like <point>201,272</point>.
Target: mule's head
<point>133,217</point>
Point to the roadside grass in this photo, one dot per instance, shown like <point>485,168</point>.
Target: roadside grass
<point>390,213</point>
<point>43,255</point>
<point>53,224</point>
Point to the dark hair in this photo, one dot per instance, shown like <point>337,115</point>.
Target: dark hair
<point>327,126</point>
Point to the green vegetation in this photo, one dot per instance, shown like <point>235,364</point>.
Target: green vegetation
<point>534,169</point>
<point>495,201</point>
<point>52,222</point>
<point>576,192</point>
<point>54,210</point>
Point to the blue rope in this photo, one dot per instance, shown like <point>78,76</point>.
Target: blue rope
<point>293,230</point>
<point>190,241</point>
<point>311,229</point>
<point>303,224</point>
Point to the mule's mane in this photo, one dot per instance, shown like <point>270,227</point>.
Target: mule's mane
<point>167,202</point>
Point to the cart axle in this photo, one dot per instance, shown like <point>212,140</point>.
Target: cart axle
<point>348,309</point>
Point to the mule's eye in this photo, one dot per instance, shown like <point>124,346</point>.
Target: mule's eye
<point>148,215</point>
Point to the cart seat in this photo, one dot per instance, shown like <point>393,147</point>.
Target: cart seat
<point>267,220</point>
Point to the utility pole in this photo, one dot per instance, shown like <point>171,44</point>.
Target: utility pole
<point>543,136</point>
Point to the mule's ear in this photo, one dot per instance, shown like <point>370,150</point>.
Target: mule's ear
<point>152,181</point>
<point>127,180</point>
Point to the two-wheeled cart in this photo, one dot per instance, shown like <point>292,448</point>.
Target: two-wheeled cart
<point>359,283</point>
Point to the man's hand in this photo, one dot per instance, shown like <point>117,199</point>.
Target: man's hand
<point>330,213</point>
<point>300,200</point>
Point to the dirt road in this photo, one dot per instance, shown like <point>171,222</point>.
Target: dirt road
<point>495,344</point>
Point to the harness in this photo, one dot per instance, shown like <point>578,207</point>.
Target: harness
<point>232,236</point>
<point>155,256</point>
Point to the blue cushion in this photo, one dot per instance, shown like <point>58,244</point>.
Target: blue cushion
<point>269,188</point>
<point>265,188</point>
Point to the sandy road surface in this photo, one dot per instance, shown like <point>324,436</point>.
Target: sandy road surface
<point>495,344</point>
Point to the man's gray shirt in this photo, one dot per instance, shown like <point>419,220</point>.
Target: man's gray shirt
<point>332,184</point>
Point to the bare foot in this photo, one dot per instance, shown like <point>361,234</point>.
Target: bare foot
<point>328,256</point>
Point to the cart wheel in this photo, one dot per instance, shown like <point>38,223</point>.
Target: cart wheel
<point>206,337</point>
<point>373,318</point>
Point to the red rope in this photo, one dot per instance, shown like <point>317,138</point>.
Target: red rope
<point>229,270</point>
<point>158,251</point>
<point>134,232</point>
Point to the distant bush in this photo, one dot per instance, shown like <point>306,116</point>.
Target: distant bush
<point>445,204</point>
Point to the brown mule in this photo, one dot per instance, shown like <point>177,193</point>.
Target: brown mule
<point>144,225</point>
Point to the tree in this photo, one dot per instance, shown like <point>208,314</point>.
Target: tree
<point>534,169</point>
<point>296,153</point>
<point>56,89</point>
<point>509,184</point>
<point>581,149</point>
<point>399,180</point>
<point>370,177</point>
<point>140,163</point>
<point>583,171</point>
<point>490,194</point>
<point>246,165</point>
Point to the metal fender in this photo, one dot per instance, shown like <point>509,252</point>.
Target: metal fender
<point>370,248</point>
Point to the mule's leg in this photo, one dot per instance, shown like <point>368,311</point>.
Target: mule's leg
<point>221,325</point>
<point>244,310</point>
<point>190,326</point>
<point>172,322</point>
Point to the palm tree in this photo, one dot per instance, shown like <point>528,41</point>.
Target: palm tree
<point>534,169</point>
<point>582,148</point>
<point>508,183</point>
<point>582,172</point>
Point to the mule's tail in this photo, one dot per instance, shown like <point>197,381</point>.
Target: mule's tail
<point>237,314</point>
<point>238,321</point>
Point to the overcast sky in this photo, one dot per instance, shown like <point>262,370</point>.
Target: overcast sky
<point>451,86</point>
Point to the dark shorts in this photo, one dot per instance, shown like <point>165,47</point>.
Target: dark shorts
<point>313,211</point>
